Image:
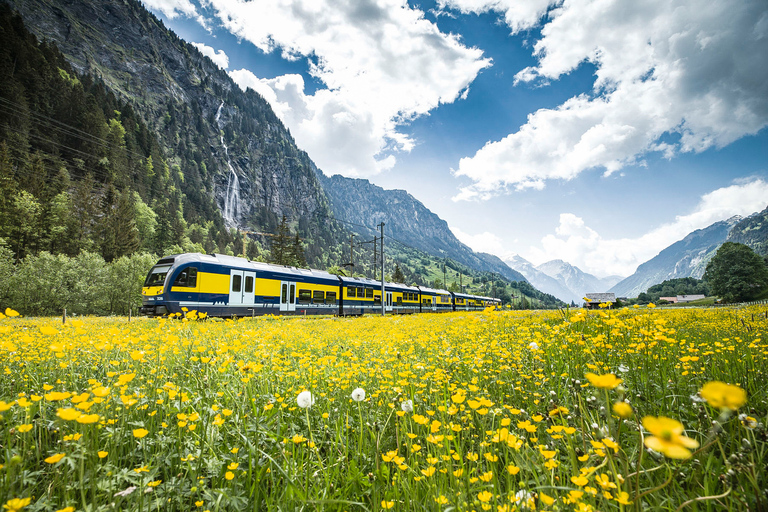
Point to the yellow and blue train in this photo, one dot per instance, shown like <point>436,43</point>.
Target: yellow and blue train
<point>227,286</point>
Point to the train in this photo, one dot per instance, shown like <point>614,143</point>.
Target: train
<point>229,286</point>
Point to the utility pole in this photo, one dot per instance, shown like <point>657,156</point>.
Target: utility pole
<point>375,255</point>
<point>444,286</point>
<point>383,296</point>
<point>351,253</point>
<point>461,282</point>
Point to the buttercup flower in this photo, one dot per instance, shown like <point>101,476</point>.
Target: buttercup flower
<point>667,437</point>
<point>607,381</point>
<point>723,396</point>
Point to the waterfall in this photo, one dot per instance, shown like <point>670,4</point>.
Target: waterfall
<point>232,197</point>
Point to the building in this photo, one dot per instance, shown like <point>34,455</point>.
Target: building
<point>689,298</point>
<point>593,300</point>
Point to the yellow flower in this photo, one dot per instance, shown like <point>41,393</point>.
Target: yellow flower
<point>485,496</point>
<point>69,414</point>
<point>623,498</point>
<point>723,396</point>
<point>16,504</point>
<point>441,500</point>
<point>140,432</point>
<point>622,410</point>
<point>667,437</point>
<point>66,509</point>
<point>53,459</point>
<point>429,471</point>
<point>87,419</point>
<point>48,330</point>
<point>581,481</point>
<point>229,475</point>
<point>387,504</point>
<point>154,483</point>
<point>12,313</point>
<point>102,454</point>
<point>512,469</point>
<point>24,428</point>
<point>607,381</point>
<point>487,477</point>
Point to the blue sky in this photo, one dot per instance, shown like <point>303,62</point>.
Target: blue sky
<point>594,132</point>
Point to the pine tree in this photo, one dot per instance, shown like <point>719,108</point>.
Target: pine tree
<point>297,252</point>
<point>280,243</point>
<point>398,276</point>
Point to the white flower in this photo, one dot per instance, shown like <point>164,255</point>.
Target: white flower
<point>407,405</point>
<point>305,399</point>
<point>623,368</point>
<point>358,395</point>
<point>126,492</point>
<point>533,345</point>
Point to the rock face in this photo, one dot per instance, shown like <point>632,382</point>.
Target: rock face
<point>752,231</point>
<point>686,258</point>
<point>406,219</point>
<point>178,93</point>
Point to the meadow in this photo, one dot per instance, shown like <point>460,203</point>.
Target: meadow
<point>632,409</point>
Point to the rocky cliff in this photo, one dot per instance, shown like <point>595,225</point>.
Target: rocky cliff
<point>229,144</point>
<point>406,219</point>
<point>752,231</point>
<point>686,258</point>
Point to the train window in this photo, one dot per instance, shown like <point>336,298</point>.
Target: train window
<point>399,300</point>
<point>157,275</point>
<point>293,293</point>
<point>237,283</point>
<point>284,296</point>
<point>187,278</point>
<point>305,296</point>
<point>351,291</point>
<point>330,298</point>
<point>318,296</point>
<point>377,300</point>
<point>369,293</point>
<point>248,284</point>
<point>360,293</point>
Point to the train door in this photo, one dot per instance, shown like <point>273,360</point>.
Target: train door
<point>287,296</point>
<point>388,304</point>
<point>249,285</point>
<point>236,287</point>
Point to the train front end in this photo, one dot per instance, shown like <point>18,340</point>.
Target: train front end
<point>153,293</point>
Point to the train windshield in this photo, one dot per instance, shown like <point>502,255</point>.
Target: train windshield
<point>157,275</point>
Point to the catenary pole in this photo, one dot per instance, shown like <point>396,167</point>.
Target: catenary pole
<point>383,296</point>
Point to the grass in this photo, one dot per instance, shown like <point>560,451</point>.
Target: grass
<point>462,411</point>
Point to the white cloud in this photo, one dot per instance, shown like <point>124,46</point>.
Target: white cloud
<point>219,58</point>
<point>691,70</point>
<point>382,62</point>
<point>482,242</point>
<point>580,245</point>
<point>172,8</point>
<point>518,14</point>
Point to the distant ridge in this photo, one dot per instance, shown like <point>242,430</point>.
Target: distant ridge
<point>685,258</point>
<point>360,202</point>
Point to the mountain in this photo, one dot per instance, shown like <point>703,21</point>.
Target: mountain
<point>752,231</point>
<point>364,205</point>
<point>576,280</point>
<point>542,281</point>
<point>238,164</point>
<point>685,258</point>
